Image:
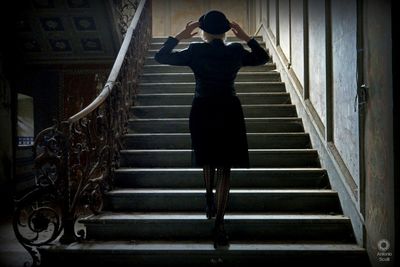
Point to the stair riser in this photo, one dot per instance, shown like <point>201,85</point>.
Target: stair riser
<point>239,179</point>
<point>202,230</point>
<point>183,111</point>
<point>183,45</point>
<point>154,100</point>
<point>184,141</point>
<point>182,159</point>
<point>190,87</point>
<point>183,126</point>
<point>160,68</point>
<point>269,66</point>
<point>184,77</point>
<point>238,202</point>
<point>152,52</point>
<point>160,39</point>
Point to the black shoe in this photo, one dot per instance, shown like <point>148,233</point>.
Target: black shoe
<point>221,239</point>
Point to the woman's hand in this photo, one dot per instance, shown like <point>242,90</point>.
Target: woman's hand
<point>188,33</point>
<point>238,31</point>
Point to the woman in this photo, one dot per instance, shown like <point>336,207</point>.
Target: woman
<point>216,120</point>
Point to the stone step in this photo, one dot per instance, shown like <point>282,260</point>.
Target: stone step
<point>162,39</point>
<point>259,158</point>
<point>185,44</point>
<point>283,178</point>
<point>155,68</point>
<point>270,76</point>
<point>181,125</point>
<point>240,226</point>
<point>240,200</point>
<point>183,140</point>
<point>195,253</point>
<point>182,111</point>
<point>143,99</point>
<point>156,87</point>
<point>150,60</point>
<point>153,50</point>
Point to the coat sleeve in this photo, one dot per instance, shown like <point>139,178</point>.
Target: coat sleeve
<point>257,56</point>
<point>166,56</point>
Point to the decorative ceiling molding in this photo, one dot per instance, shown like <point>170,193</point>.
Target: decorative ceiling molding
<point>68,30</point>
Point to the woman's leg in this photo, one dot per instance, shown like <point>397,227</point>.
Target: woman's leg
<point>223,187</point>
<point>209,173</point>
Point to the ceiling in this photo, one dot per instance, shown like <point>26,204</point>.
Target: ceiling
<point>58,31</point>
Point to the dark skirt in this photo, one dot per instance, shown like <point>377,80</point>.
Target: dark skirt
<point>218,132</point>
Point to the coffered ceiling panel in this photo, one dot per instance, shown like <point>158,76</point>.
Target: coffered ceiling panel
<point>67,30</point>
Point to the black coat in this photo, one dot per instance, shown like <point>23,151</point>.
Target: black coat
<point>216,122</point>
<point>214,64</point>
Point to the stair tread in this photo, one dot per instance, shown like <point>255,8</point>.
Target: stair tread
<point>127,216</point>
<point>152,66</point>
<point>125,169</point>
<point>289,119</point>
<point>288,150</point>
<point>238,94</point>
<point>188,134</point>
<point>272,72</point>
<point>188,106</point>
<point>122,247</point>
<point>197,41</point>
<point>172,66</point>
<point>193,83</point>
<point>232,191</point>
<point>183,76</point>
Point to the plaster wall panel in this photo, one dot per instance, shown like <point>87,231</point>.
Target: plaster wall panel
<point>183,11</point>
<point>317,57</point>
<point>272,16</point>
<point>297,39</point>
<point>284,27</point>
<point>235,10</point>
<point>344,59</point>
<point>171,16</point>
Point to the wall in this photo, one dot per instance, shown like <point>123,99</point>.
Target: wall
<point>25,119</point>
<point>379,217</point>
<point>171,16</point>
<point>6,141</point>
<point>43,87</point>
<point>317,46</point>
<point>80,86</point>
<point>58,91</point>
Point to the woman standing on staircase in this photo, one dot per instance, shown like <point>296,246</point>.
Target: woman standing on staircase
<point>216,120</point>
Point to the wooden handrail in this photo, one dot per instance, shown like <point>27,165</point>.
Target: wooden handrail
<point>108,87</point>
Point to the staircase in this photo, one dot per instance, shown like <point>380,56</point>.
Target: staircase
<point>281,211</point>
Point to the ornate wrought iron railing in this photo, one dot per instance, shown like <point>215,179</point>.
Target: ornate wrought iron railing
<point>75,159</point>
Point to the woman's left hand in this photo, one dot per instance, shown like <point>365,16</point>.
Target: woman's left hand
<point>188,33</point>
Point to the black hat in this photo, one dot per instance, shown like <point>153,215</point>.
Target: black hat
<point>214,22</point>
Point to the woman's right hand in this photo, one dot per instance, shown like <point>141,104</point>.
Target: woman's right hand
<point>239,32</point>
<point>187,32</point>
